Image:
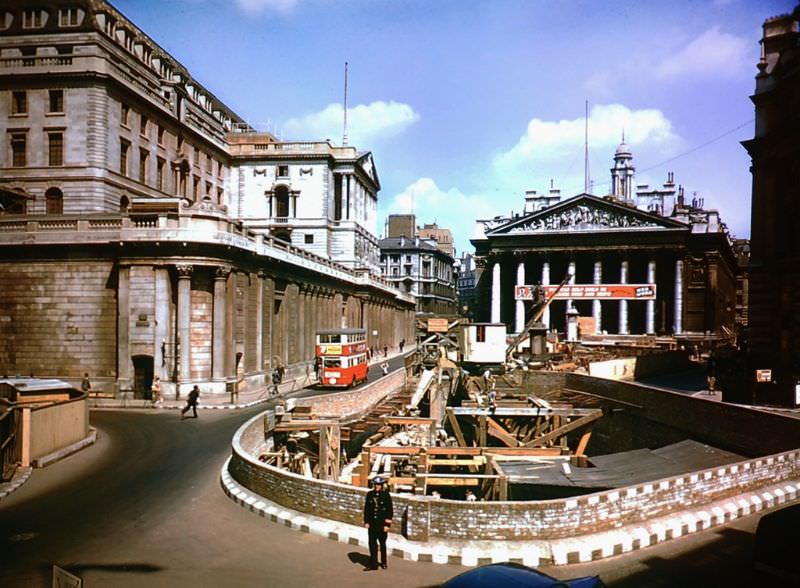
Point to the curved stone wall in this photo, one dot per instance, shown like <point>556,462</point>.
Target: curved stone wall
<point>424,518</point>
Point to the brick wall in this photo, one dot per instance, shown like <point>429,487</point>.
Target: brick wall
<point>423,518</point>
<point>350,402</point>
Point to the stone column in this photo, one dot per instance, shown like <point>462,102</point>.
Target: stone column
<point>218,328</point>
<point>259,302</point>
<point>162,314</point>
<point>651,304</point>
<point>184,323</point>
<point>519,313</point>
<point>124,375</point>
<point>229,348</point>
<point>495,316</point>
<point>677,326</point>
<point>571,272</point>
<point>546,282</point>
<point>623,304</point>
<point>597,306</point>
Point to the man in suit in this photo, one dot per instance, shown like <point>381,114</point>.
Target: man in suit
<point>191,401</point>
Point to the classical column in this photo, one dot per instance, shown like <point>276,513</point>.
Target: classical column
<point>677,326</point>
<point>651,304</point>
<point>259,302</point>
<point>124,379</point>
<point>546,282</point>
<point>519,313</point>
<point>160,363</point>
<point>495,317</point>
<point>229,347</point>
<point>184,322</point>
<point>218,328</point>
<point>571,272</point>
<point>623,304</point>
<point>597,306</point>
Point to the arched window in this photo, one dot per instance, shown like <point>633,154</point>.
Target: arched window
<point>54,201</point>
<point>124,203</point>
<point>282,201</point>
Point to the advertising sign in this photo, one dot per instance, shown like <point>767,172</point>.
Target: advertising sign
<point>763,375</point>
<point>437,325</point>
<point>591,292</point>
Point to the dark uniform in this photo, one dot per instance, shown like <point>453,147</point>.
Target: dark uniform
<point>191,402</point>
<point>378,515</point>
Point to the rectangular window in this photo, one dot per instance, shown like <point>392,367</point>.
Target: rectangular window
<point>32,19</point>
<point>195,188</point>
<point>208,164</point>
<point>124,114</point>
<point>143,155</point>
<point>180,143</point>
<point>283,171</point>
<point>160,173</point>
<point>309,239</point>
<point>220,196</point>
<point>196,156</point>
<point>160,135</point>
<point>68,17</point>
<point>19,102</point>
<point>143,125</point>
<point>208,190</point>
<point>19,156</point>
<point>124,147</point>
<point>55,151</point>
<point>56,101</point>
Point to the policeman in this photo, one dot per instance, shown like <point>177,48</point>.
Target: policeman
<point>378,515</point>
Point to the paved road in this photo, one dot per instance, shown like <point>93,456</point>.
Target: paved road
<point>143,507</point>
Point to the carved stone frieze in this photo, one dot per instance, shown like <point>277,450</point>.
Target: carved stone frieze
<point>582,218</point>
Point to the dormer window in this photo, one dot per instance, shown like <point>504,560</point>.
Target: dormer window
<point>33,19</point>
<point>69,17</point>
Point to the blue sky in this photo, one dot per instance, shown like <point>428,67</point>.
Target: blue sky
<point>466,104</point>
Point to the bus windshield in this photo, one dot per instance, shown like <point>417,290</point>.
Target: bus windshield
<point>330,362</point>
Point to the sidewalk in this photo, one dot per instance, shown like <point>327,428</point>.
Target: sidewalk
<point>244,399</point>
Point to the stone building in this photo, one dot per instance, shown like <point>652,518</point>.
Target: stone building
<point>466,284</point>
<point>642,261</point>
<point>147,230</point>
<point>442,236</point>
<point>774,311</point>
<point>419,267</point>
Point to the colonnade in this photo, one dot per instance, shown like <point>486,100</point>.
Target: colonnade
<point>215,324</point>
<point>519,266</point>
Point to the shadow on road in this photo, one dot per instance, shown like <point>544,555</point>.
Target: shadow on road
<point>361,559</point>
<point>127,567</point>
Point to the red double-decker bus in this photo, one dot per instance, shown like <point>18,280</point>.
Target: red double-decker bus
<point>343,356</point>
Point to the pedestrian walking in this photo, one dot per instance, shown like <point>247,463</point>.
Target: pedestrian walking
<point>155,391</point>
<point>402,344</point>
<point>86,384</point>
<point>378,514</point>
<point>277,377</point>
<point>317,367</point>
<point>385,368</point>
<point>191,402</point>
<point>386,351</point>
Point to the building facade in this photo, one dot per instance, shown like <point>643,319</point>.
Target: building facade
<point>147,230</point>
<point>638,262</point>
<point>419,267</point>
<point>774,303</point>
<point>466,284</point>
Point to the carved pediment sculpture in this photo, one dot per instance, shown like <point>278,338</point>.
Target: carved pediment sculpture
<point>582,217</point>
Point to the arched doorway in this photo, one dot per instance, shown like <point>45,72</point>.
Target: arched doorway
<point>282,201</point>
<point>142,375</point>
<point>54,201</point>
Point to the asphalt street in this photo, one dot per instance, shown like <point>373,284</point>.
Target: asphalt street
<point>144,507</point>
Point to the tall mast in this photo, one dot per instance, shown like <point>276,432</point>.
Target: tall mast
<point>344,134</point>
<point>586,149</point>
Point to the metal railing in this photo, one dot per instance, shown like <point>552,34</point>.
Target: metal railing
<point>10,424</point>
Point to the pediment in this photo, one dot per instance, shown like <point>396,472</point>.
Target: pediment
<point>368,167</point>
<point>585,213</point>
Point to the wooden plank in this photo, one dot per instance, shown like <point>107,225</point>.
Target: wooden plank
<point>561,431</point>
<point>398,420</point>
<point>474,461</point>
<point>498,432</point>
<point>456,427</point>
<point>482,430</point>
<point>581,450</point>
<point>519,412</point>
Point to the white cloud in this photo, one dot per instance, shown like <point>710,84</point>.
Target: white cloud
<point>547,145</point>
<point>365,122</point>
<point>451,209</point>
<point>711,54</point>
<point>255,7</point>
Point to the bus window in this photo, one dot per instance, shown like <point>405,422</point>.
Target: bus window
<point>330,338</point>
<point>332,362</point>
